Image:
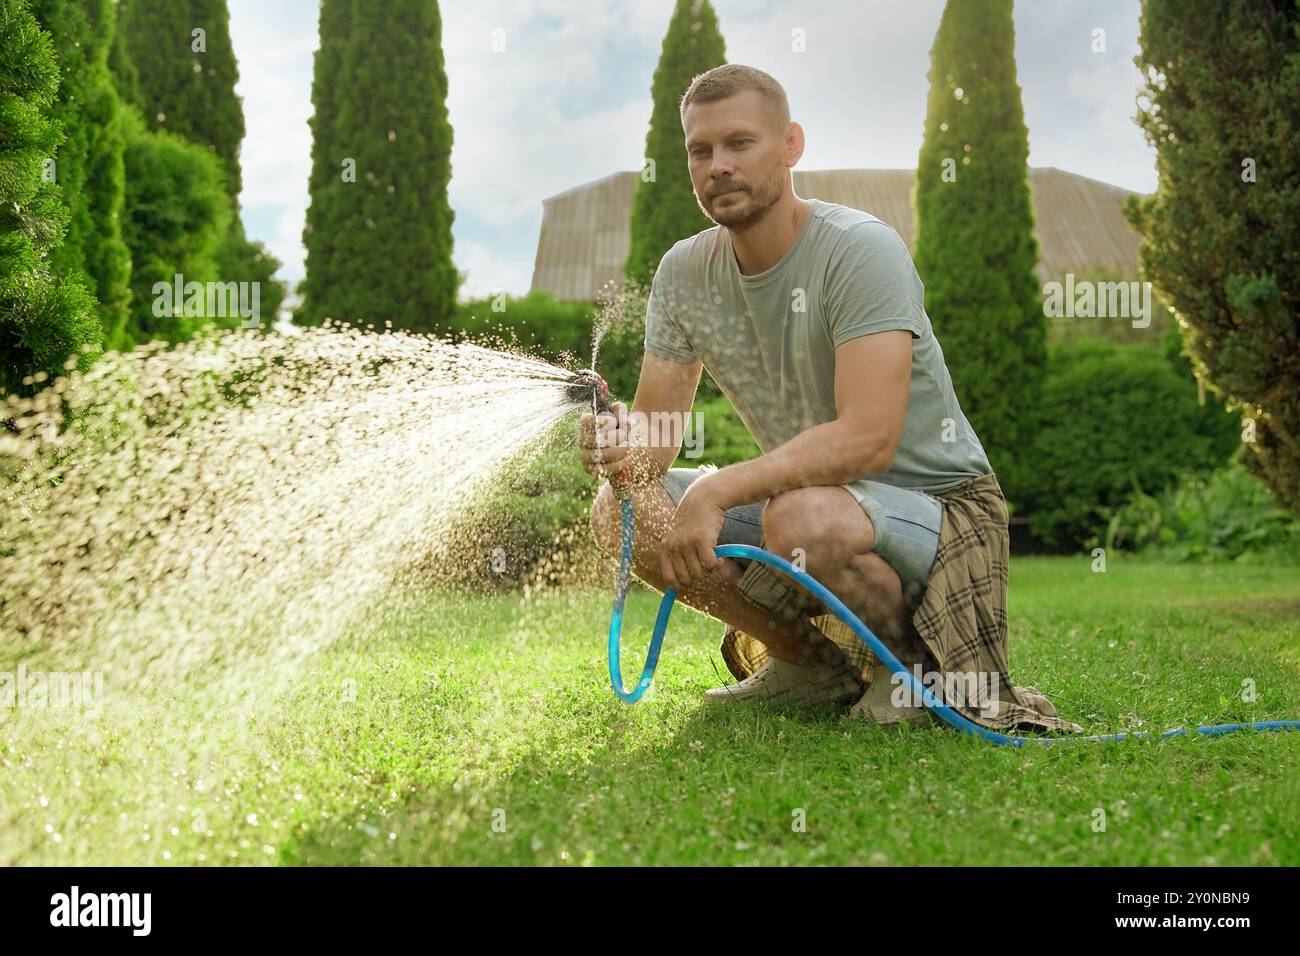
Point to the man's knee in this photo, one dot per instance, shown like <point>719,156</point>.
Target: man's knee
<point>805,519</point>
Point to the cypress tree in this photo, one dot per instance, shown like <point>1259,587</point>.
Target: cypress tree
<point>1222,108</point>
<point>322,223</point>
<point>975,247</point>
<point>665,208</point>
<point>179,64</point>
<point>43,321</point>
<point>126,78</point>
<point>89,164</point>
<point>186,74</point>
<point>378,233</point>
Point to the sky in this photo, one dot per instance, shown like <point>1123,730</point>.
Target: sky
<point>566,100</point>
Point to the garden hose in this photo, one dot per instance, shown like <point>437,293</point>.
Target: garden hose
<point>587,385</point>
<point>840,610</point>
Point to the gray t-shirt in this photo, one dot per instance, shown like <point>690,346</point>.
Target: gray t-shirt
<point>769,339</point>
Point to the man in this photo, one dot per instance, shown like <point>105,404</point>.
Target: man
<point>810,317</point>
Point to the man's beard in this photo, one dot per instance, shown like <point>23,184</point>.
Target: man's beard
<point>745,209</point>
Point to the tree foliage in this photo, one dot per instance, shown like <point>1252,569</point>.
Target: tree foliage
<point>89,164</point>
<point>178,216</point>
<point>378,230</point>
<point>975,247</point>
<point>1221,105</point>
<point>44,321</point>
<point>178,64</point>
<point>665,209</point>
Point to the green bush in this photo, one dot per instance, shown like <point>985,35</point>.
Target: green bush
<point>538,322</point>
<point>172,94</point>
<point>177,217</point>
<point>540,505</point>
<point>526,521</point>
<point>1227,514</point>
<point>1115,417</point>
<point>726,439</point>
<point>554,493</point>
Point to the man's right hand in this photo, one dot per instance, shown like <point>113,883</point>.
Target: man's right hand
<point>603,441</point>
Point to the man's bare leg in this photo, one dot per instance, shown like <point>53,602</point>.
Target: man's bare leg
<point>837,539</point>
<point>794,642</point>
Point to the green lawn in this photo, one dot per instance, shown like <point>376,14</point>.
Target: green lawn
<point>485,732</point>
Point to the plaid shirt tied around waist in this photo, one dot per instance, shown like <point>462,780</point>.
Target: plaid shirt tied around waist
<point>960,626</point>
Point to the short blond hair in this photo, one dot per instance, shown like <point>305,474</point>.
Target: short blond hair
<point>729,79</point>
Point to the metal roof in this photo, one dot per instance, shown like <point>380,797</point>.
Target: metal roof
<point>1078,221</point>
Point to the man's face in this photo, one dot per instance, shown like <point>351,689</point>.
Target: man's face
<point>736,158</point>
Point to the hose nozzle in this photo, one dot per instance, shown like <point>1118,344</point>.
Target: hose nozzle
<point>587,386</point>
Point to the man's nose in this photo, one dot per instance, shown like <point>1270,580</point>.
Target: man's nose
<point>722,167</point>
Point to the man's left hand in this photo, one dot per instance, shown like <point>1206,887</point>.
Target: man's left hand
<point>686,549</point>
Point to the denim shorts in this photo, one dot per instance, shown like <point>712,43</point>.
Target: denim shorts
<point>906,522</point>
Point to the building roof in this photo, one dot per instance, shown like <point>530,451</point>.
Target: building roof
<point>1080,227</point>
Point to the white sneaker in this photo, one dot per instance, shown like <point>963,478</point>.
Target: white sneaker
<point>878,706</point>
<point>806,686</point>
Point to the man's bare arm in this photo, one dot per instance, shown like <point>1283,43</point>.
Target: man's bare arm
<point>664,389</point>
<point>873,374</point>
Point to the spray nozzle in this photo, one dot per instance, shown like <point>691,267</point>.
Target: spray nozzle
<point>587,386</point>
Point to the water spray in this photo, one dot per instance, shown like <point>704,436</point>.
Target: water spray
<point>587,385</point>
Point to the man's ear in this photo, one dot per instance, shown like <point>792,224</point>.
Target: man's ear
<point>794,144</point>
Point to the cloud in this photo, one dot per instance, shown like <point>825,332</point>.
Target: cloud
<point>274,43</point>
<point>567,100</point>
<point>1079,102</point>
<point>490,271</point>
<point>859,87</point>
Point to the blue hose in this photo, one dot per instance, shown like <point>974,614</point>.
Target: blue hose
<point>877,647</point>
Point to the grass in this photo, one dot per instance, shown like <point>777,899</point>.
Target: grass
<point>448,731</point>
